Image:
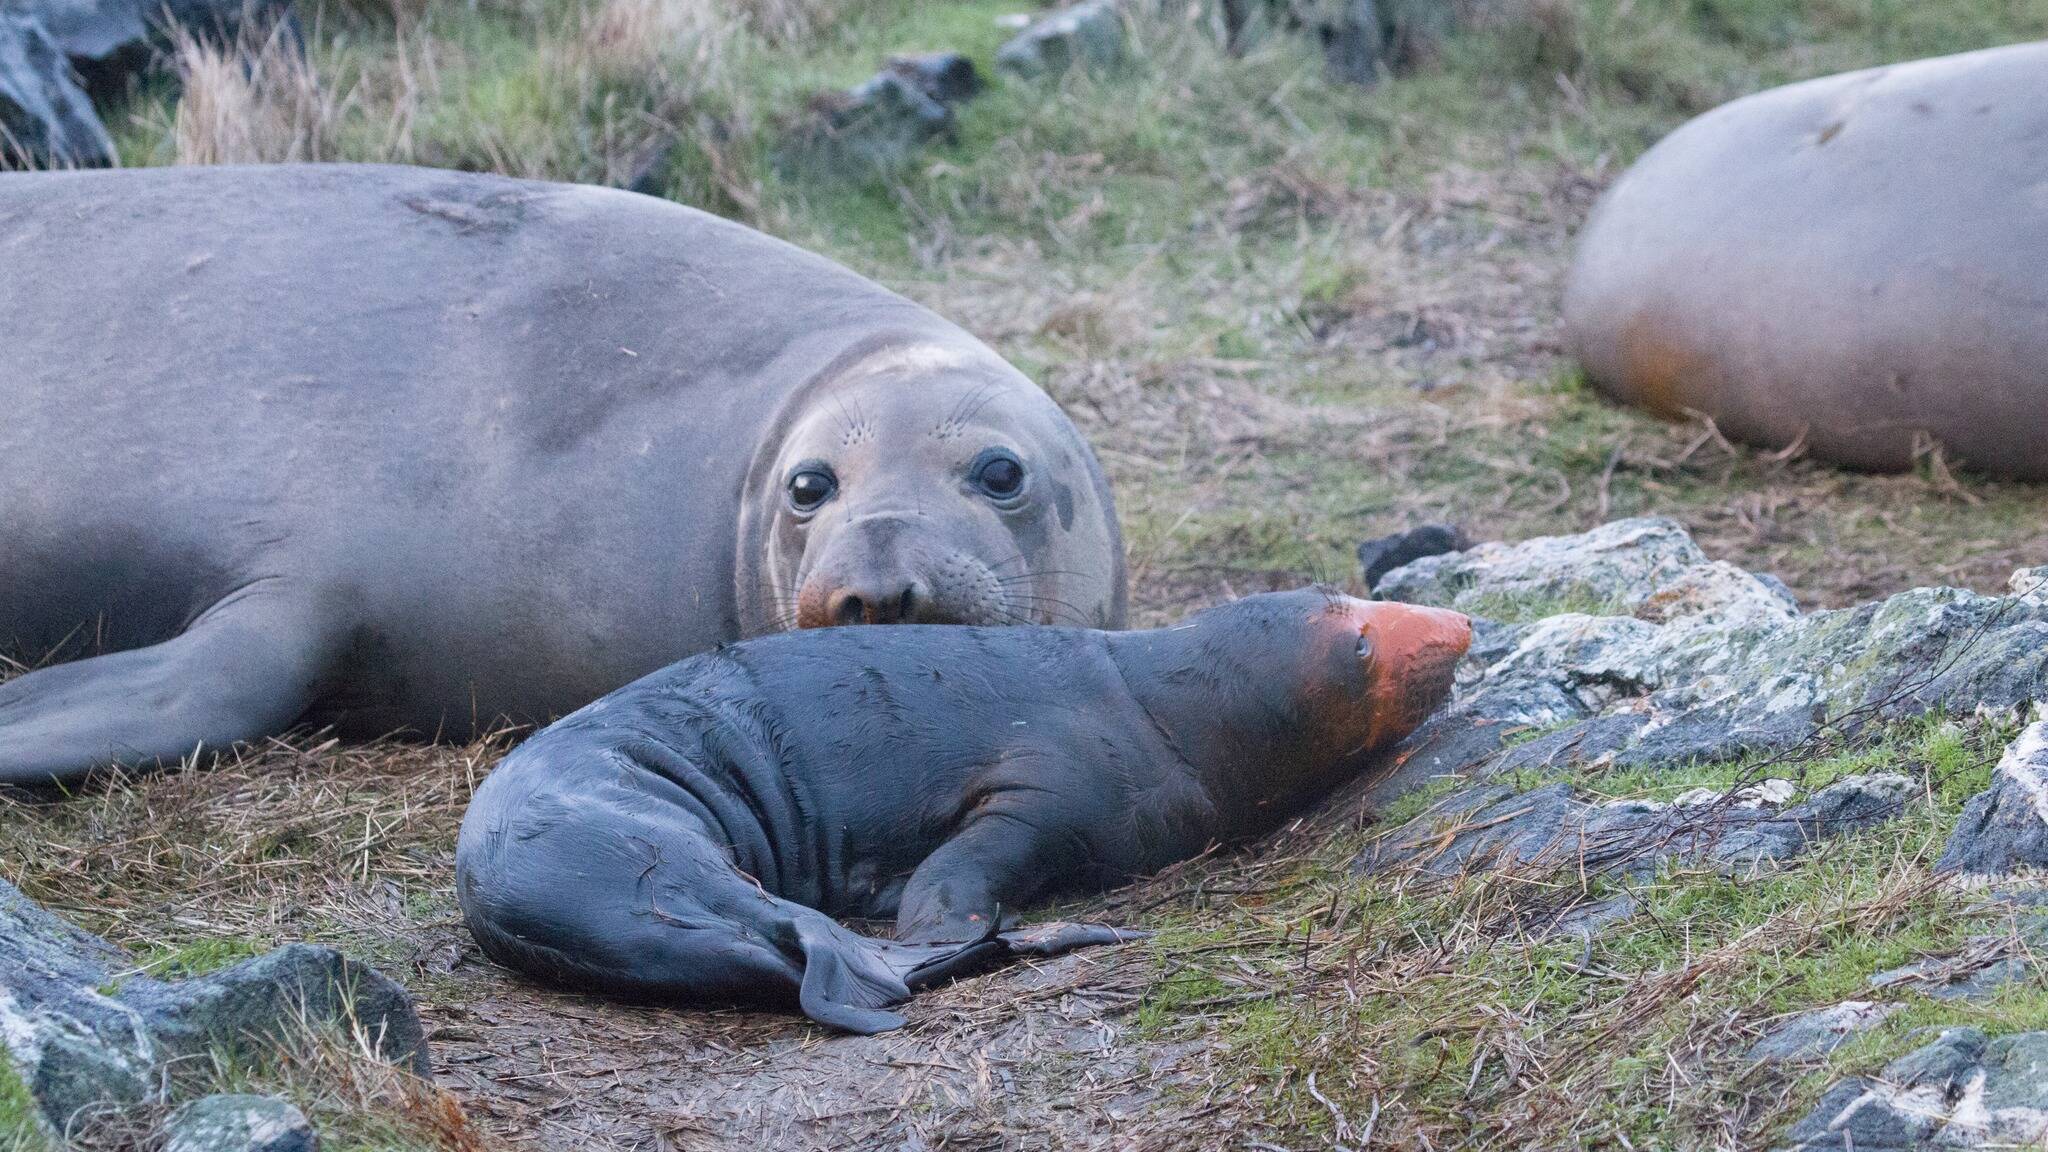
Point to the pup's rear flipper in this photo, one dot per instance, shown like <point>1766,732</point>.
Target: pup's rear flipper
<point>851,980</point>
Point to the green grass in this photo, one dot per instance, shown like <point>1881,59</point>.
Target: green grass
<point>1425,994</point>
<point>22,1127</point>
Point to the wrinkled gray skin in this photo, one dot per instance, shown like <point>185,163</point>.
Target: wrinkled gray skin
<point>1856,260</point>
<point>406,450</point>
<point>690,836</point>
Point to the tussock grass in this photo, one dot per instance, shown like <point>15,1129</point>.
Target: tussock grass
<point>256,101</point>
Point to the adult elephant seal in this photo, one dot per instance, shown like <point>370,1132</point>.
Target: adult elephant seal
<point>690,836</point>
<point>402,449</point>
<point>1858,262</point>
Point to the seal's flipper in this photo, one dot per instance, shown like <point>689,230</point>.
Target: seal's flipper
<point>958,892</point>
<point>1052,938</point>
<point>247,668</point>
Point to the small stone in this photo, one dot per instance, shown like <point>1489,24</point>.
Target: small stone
<point>1089,34</point>
<point>1811,1035</point>
<point>2006,825</point>
<point>239,1123</point>
<point>947,77</point>
<point>1383,554</point>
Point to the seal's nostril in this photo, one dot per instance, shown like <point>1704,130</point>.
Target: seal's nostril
<point>850,611</point>
<point>909,604</point>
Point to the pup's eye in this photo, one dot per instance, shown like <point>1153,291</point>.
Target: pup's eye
<point>999,474</point>
<point>810,487</point>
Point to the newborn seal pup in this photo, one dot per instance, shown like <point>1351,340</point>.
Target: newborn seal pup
<point>399,449</point>
<point>690,836</point>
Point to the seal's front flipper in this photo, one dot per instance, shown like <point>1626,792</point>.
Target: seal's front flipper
<point>247,668</point>
<point>957,895</point>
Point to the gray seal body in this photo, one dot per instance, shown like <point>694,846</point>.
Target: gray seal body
<point>408,450</point>
<point>1856,264</point>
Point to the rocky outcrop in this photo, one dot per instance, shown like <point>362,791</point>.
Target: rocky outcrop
<point>1089,34</point>
<point>1962,1090</point>
<point>53,53</point>
<point>85,1031</point>
<point>46,119</point>
<point>1626,645</point>
<point>2006,825</point>
<point>1499,829</point>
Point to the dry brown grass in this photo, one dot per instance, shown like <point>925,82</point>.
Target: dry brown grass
<point>259,100</point>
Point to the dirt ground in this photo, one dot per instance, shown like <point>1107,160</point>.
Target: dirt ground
<point>1426,380</point>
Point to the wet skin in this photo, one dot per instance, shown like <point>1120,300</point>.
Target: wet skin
<point>691,836</point>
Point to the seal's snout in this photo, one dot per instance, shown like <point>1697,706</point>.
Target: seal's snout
<point>1410,654</point>
<point>895,601</point>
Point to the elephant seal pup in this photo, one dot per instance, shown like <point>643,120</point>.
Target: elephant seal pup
<point>1857,263</point>
<point>400,449</point>
<point>689,836</point>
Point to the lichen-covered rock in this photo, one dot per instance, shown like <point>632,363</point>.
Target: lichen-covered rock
<point>46,119</point>
<point>1090,34</point>
<point>1644,652</point>
<point>239,1123</point>
<point>83,1033</point>
<point>1492,828</point>
<point>1812,1035</point>
<point>2006,825</point>
<point>1963,1090</point>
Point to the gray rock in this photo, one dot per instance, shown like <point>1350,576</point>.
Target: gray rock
<point>1491,828</point>
<point>875,126</point>
<point>129,31</point>
<point>2006,825</point>
<point>46,119</point>
<point>1812,1035</point>
<point>1986,963</point>
<point>1627,645</point>
<point>84,1034</point>
<point>239,1123</point>
<point>1963,1090</point>
<point>1383,554</point>
<point>947,77</point>
<point>1089,34</point>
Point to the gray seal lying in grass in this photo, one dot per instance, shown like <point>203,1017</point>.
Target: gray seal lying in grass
<point>1858,264</point>
<point>399,449</point>
<point>690,836</point>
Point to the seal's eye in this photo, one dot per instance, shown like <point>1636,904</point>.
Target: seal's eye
<point>811,486</point>
<point>999,474</point>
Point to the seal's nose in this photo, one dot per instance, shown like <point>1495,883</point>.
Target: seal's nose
<point>894,602</point>
<point>1411,653</point>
